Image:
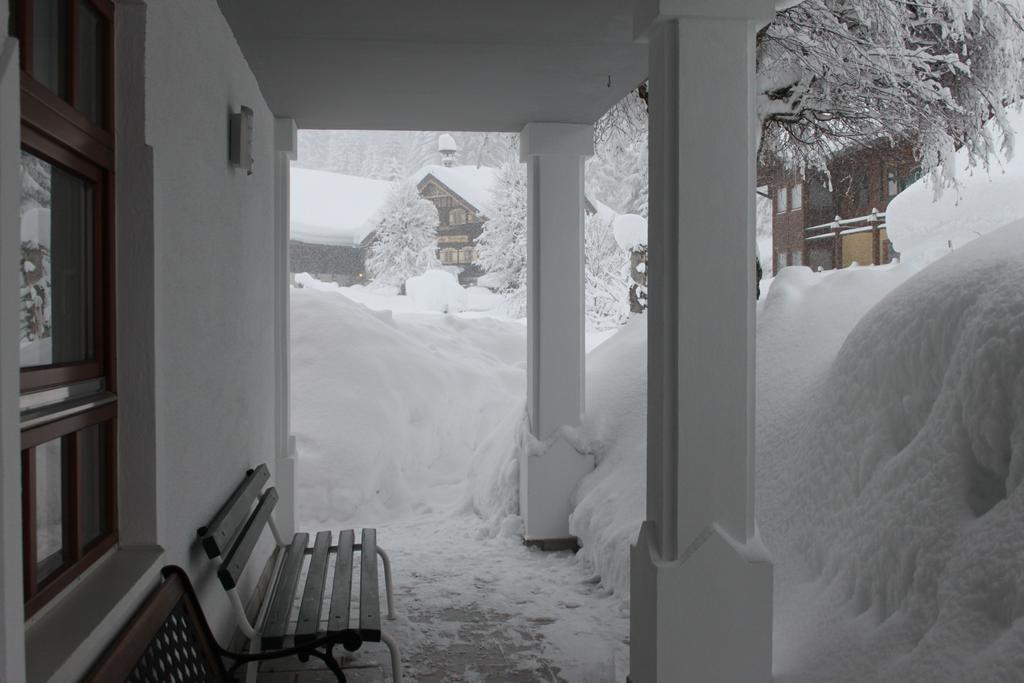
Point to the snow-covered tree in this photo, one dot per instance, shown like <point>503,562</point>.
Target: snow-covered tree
<point>501,247</point>
<point>837,72</point>
<point>405,241</point>
<point>606,274</point>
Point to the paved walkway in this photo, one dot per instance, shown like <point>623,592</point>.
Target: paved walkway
<point>478,608</point>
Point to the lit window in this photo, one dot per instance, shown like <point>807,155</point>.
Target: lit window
<point>892,183</point>
<point>798,196</point>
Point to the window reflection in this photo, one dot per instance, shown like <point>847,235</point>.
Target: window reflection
<point>56,288</point>
<point>49,491</point>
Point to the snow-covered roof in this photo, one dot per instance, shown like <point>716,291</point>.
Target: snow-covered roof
<point>923,228</point>
<point>446,143</point>
<point>472,183</point>
<point>331,208</point>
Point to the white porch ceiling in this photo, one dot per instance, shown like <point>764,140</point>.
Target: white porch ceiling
<point>439,64</point>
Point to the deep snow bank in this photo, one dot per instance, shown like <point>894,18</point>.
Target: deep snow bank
<point>890,458</point>
<point>609,504</point>
<point>388,410</point>
<point>895,481</point>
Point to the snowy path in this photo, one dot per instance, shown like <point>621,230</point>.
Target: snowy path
<point>472,607</point>
<point>476,608</point>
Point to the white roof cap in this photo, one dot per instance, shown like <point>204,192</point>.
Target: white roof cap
<point>446,143</point>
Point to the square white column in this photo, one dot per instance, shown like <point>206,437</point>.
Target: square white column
<point>554,154</point>
<point>701,584</point>
<point>286,147</point>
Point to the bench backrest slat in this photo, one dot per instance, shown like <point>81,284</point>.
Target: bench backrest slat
<point>217,534</point>
<point>369,598</point>
<point>234,563</point>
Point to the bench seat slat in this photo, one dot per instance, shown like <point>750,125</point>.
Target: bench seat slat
<point>276,624</point>
<point>234,562</point>
<point>313,592</point>
<point>341,589</point>
<point>216,536</point>
<point>369,598</point>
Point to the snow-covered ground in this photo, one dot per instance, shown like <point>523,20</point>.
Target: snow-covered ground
<point>890,456</point>
<point>392,406</point>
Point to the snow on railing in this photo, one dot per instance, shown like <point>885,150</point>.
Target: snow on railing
<point>873,219</point>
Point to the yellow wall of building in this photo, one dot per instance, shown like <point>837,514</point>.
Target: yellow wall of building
<point>858,247</point>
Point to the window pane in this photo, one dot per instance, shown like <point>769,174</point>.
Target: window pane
<point>91,81</point>
<point>50,550</point>
<point>92,467</point>
<point>56,318</point>
<point>798,196</point>
<point>49,44</point>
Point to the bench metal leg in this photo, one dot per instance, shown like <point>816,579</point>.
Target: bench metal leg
<point>396,658</point>
<point>252,668</point>
<point>386,561</point>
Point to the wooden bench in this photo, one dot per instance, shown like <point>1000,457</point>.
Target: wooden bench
<point>169,639</point>
<point>230,540</point>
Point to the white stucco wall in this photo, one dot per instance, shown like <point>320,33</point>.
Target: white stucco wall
<point>196,319</point>
<point>12,642</point>
<point>213,278</point>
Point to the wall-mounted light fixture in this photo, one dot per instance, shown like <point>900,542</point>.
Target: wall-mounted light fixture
<point>241,136</point>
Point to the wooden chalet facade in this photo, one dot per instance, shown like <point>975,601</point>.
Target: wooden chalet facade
<point>460,224</point>
<point>833,220</point>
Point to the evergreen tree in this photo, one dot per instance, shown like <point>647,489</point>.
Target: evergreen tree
<point>405,241</point>
<point>501,247</point>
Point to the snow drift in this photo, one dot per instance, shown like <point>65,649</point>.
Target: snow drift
<point>890,457</point>
<point>895,483</point>
<point>387,410</point>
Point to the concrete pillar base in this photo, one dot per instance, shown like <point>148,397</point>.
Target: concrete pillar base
<point>706,617</point>
<point>546,485</point>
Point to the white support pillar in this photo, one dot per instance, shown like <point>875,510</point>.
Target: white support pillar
<point>285,151</point>
<point>701,582</point>
<point>554,154</point>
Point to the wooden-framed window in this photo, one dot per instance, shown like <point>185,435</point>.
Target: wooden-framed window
<point>66,326</point>
<point>892,184</point>
<point>782,200</point>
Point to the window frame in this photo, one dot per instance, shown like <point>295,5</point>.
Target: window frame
<point>53,129</point>
<point>782,200</point>
<point>38,593</point>
<point>39,377</point>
